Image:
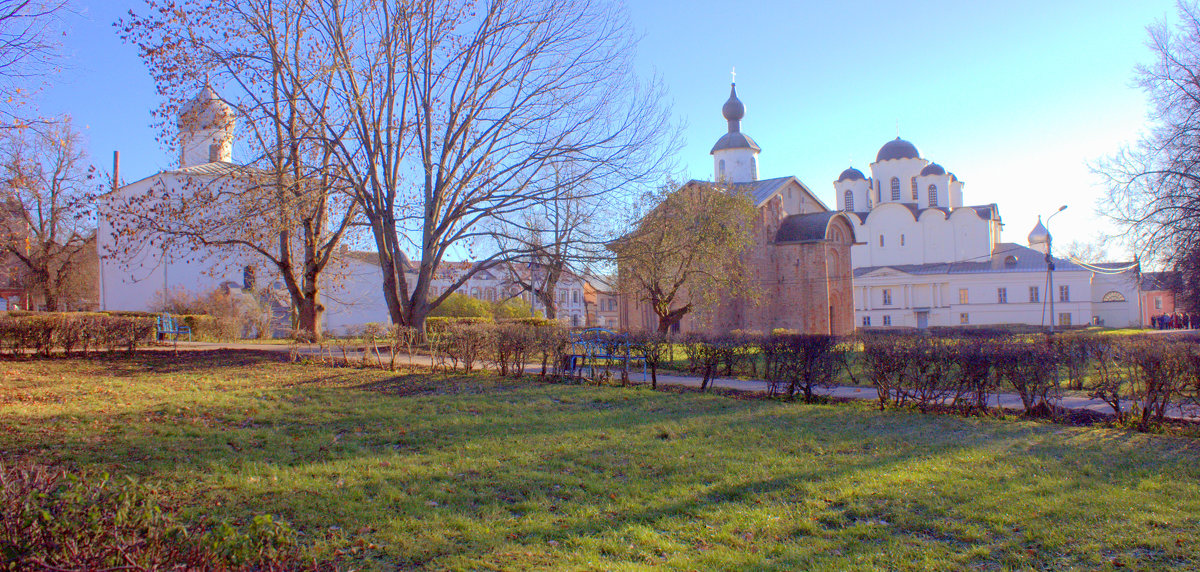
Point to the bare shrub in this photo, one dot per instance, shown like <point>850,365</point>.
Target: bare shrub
<point>654,348</point>
<point>1030,369</point>
<point>806,362</point>
<point>883,364</point>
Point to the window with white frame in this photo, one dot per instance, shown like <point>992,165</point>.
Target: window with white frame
<point>866,321</point>
<point>962,296</point>
<point>1064,318</point>
<point>964,318</point>
<point>849,200</point>
<point>895,189</point>
<point>933,198</point>
<point>1064,293</point>
<point>1157,302</point>
<point>887,297</point>
<point>914,188</point>
<point>1033,294</point>
<point>1001,295</point>
<point>887,320</point>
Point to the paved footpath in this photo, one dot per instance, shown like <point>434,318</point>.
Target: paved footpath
<point>1005,400</point>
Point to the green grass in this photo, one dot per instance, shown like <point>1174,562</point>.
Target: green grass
<point>433,472</point>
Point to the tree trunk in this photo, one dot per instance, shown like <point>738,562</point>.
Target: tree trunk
<point>309,310</point>
<point>665,321</point>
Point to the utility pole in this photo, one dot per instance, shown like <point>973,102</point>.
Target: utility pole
<point>1050,265</point>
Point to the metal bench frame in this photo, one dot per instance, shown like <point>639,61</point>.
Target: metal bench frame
<point>167,325</point>
<point>589,346</point>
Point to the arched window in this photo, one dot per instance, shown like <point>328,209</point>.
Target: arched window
<point>754,168</point>
<point>1113,296</point>
<point>933,196</point>
<point>475,292</point>
<point>490,294</point>
<point>914,188</point>
<point>849,201</point>
<point>895,189</point>
<point>721,169</point>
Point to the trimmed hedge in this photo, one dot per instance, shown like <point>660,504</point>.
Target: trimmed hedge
<point>42,333</point>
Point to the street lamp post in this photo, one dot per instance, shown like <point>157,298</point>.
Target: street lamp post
<point>1050,265</point>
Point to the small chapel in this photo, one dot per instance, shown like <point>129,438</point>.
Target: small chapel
<point>800,257</point>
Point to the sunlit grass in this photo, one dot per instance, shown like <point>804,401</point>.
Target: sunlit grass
<point>438,472</point>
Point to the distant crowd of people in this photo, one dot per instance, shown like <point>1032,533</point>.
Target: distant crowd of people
<point>1175,321</point>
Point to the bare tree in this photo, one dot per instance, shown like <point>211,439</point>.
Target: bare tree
<point>28,50</point>
<point>46,180</point>
<point>458,111</point>
<point>286,203</point>
<point>1154,186</point>
<point>687,251</point>
<point>564,236</point>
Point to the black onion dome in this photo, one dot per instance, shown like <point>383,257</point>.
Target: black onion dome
<point>897,149</point>
<point>733,110</point>
<point>933,169</point>
<point>851,174</point>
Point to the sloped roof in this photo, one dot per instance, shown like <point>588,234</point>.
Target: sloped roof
<point>1024,259</point>
<point>1160,281</point>
<point>809,227</point>
<point>762,190</point>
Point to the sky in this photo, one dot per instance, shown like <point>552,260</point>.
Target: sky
<point>1016,98</point>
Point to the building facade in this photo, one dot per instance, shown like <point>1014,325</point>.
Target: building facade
<point>800,257</point>
<point>924,258</point>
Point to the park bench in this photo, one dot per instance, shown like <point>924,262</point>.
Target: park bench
<point>168,325</point>
<point>595,346</point>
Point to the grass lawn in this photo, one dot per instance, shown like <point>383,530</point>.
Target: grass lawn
<point>471,473</point>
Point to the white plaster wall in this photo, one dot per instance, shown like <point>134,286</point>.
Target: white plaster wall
<point>195,147</point>
<point>903,169</point>
<point>857,188</point>
<point>939,295</point>
<point>135,276</point>
<point>741,165</point>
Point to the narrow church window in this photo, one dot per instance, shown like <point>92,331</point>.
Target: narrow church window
<point>902,240</point>
<point>895,189</point>
<point>914,188</point>
<point>849,201</point>
<point>754,168</point>
<point>881,240</point>
<point>933,202</point>
<point>721,169</point>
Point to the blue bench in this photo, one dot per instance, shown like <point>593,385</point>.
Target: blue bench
<point>593,345</point>
<point>168,325</point>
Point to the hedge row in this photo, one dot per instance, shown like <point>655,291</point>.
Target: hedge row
<point>1143,379</point>
<point>43,333</point>
<point>204,327</point>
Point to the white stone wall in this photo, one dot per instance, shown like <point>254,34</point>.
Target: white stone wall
<point>735,165</point>
<point>938,296</point>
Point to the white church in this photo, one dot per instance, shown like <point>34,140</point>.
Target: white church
<point>925,259</point>
<point>139,270</point>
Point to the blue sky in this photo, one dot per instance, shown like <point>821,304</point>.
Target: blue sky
<point>1014,97</point>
